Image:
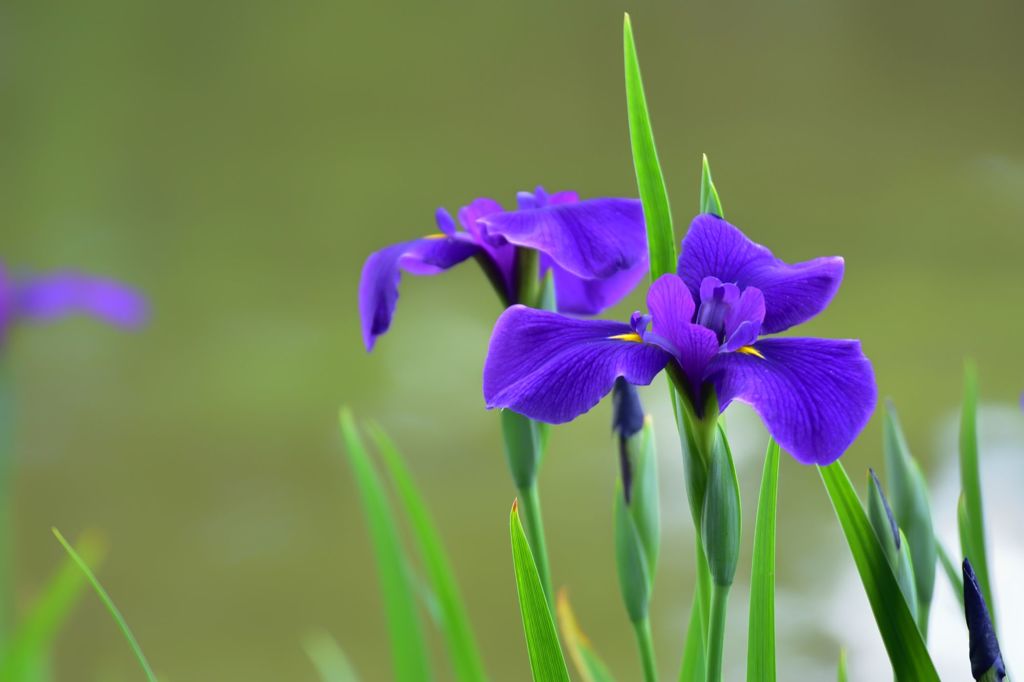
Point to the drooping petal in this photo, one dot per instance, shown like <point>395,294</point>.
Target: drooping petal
<point>792,293</point>
<point>554,368</point>
<point>671,307</point>
<point>592,239</point>
<point>501,256</point>
<point>51,296</point>
<point>591,296</point>
<point>814,395</point>
<point>378,285</point>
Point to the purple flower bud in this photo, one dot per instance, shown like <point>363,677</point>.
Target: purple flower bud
<point>985,655</point>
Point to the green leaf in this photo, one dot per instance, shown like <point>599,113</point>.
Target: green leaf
<point>458,634</point>
<point>661,241</point>
<point>588,664</point>
<point>631,560</point>
<point>841,673</point>
<point>408,650</point>
<point>709,201</point>
<point>761,632</point>
<point>546,659</point>
<point>33,640</point>
<point>907,652</point>
<point>721,521</point>
<point>328,658</point>
<point>956,580</point>
<point>694,666</point>
<point>973,529</point>
<point>908,493</point>
<point>109,603</point>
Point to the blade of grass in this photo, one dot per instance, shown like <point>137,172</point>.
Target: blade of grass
<point>109,603</point>
<point>841,675</point>
<point>546,660</point>
<point>408,649</point>
<point>761,624</point>
<point>33,639</point>
<point>970,483</point>
<point>328,658</point>
<point>661,241</point>
<point>588,664</point>
<point>902,639</point>
<point>709,201</point>
<point>954,576</point>
<point>457,632</point>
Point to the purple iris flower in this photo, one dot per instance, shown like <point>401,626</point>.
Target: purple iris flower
<point>814,395</point>
<point>45,297</point>
<point>596,250</point>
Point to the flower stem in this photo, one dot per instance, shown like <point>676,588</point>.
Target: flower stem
<point>716,631</point>
<point>645,644</point>
<point>529,499</point>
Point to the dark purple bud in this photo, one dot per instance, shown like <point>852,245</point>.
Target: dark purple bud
<point>985,655</point>
<point>627,421</point>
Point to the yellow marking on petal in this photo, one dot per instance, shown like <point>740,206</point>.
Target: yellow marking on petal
<point>437,235</point>
<point>635,338</point>
<point>750,350</point>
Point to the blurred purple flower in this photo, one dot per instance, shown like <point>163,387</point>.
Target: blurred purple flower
<point>45,297</point>
<point>596,250</point>
<point>814,395</point>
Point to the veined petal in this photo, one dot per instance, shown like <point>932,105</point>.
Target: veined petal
<point>378,285</point>
<point>591,296</point>
<point>592,239</point>
<point>503,256</point>
<point>743,320</point>
<point>554,368</point>
<point>55,295</point>
<point>814,395</point>
<point>792,293</point>
<point>671,307</point>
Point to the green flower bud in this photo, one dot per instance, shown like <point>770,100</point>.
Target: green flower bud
<point>523,447</point>
<point>721,517</point>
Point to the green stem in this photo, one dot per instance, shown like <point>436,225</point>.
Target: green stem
<point>529,499</point>
<point>6,474</point>
<point>645,644</point>
<point>716,631</point>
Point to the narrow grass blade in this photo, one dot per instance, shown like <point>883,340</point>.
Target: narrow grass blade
<point>709,201</point>
<point>33,639</point>
<point>546,660</point>
<point>907,652</point>
<point>841,675</point>
<point>109,603</point>
<point>761,633</point>
<point>661,240</point>
<point>694,668</point>
<point>328,658</point>
<point>455,626</point>
<point>408,649</point>
<point>954,576</point>
<point>588,664</point>
<point>973,532</point>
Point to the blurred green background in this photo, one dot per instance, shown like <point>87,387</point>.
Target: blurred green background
<point>238,161</point>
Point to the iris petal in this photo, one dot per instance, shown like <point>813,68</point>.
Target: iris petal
<point>814,395</point>
<point>671,307</point>
<point>554,368</point>
<point>592,239</point>
<point>50,296</point>
<point>792,293</point>
<point>378,285</point>
<point>590,296</point>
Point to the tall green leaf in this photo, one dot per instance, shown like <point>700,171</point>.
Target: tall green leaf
<point>694,667</point>
<point>841,672</point>
<point>115,613</point>
<point>33,639</point>
<point>458,634</point>
<point>709,201</point>
<point>329,659</point>
<point>588,664</point>
<point>907,652</point>
<point>956,581</point>
<point>661,241</point>
<point>973,531</point>
<point>761,633</point>
<point>408,650</point>
<point>542,644</point>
